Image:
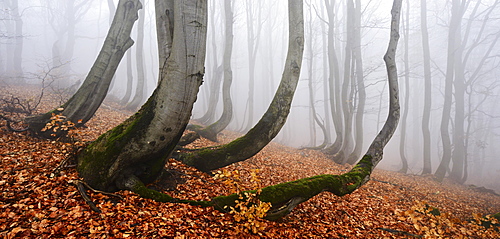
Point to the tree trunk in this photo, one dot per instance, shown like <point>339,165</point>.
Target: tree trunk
<point>453,37</point>
<point>18,49</point>
<point>334,86</point>
<point>130,80</point>
<point>275,117</point>
<point>346,100</point>
<point>285,196</point>
<point>211,131</point>
<point>427,167</point>
<point>139,57</point>
<point>354,156</point>
<point>216,76</point>
<point>402,142</point>
<point>134,152</point>
<point>85,102</point>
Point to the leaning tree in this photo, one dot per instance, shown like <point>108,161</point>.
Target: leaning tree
<point>134,152</point>
<point>84,103</point>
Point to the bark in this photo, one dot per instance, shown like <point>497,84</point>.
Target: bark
<point>253,45</point>
<point>216,76</point>
<point>211,131</point>
<point>134,152</point>
<point>334,86</point>
<point>402,142</point>
<point>273,119</point>
<point>285,196</point>
<point>346,100</point>
<point>427,167</point>
<point>139,57</point>
<point>130,80</point>
<point>353,157</point>
<point>453,37</point>
<point>164,29</point>
<point>85,102</point>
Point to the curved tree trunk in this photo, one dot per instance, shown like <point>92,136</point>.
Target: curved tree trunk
<point>427,168</point>
<point>134,152</point>
<point>360,111</point>
<point>334,86</point>
<point>453,37</point>
<point>85,102</point>
<point>275,117</point>
<point>211,131</point>
<point>285,196</point>
<point>139,57</point>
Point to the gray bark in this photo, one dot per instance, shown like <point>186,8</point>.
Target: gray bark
<point>216,75</point>
<point>135,152</point>
<point>334,85</point>
<point>453,38</point>
<point>85,102</point>
<point>402,142</point>
<point>139,57</point>
<point>273,119</point>
<point>358,140</point>
<point>427,167</point>
<point>212,130</point>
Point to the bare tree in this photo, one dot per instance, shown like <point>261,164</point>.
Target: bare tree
<point>427,167</point>
<point>84,103</point>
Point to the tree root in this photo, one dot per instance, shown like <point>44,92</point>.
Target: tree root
<point>81,185</point>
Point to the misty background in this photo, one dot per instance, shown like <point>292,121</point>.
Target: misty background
<point>64,38</point>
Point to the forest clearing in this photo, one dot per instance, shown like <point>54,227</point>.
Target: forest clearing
<point>39,201</point>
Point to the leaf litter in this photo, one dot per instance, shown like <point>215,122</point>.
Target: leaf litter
<point>38,201</point>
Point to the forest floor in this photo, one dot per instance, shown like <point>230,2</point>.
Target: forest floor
<point>38,199</point>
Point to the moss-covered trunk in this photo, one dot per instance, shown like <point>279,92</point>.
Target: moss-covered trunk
<point>136,150</point>
<point>273,119</point>
<point>85,102</point>
<point>285,196</point>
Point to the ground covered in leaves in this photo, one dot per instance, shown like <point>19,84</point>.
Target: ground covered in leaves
<point>38,201</point>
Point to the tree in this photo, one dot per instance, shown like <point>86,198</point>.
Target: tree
<point>402,144</point>
<point>273,119</point>
<point>134,152</point>
<point>141,75</point>
<point>84,103</point>
<point>360,86</point>
<point>334,83</point>
<point>427,168</point>
<point>210,132</point>
<point>453,38</point>
<point>215,75</point>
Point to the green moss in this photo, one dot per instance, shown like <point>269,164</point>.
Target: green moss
<point>95,161</point>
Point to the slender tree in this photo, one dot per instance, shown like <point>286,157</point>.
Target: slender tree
<point>453,38</point>
<point>211,131</point>
<point>273,119</point>
<point>427,167</point>
<point>139,57</point>
<point>402,139</point>
<point>85,102</point>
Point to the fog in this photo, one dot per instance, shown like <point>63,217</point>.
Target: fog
<point>77,32</point>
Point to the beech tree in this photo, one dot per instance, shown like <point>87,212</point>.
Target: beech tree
<point>134,152</point>
<point>85,102</point>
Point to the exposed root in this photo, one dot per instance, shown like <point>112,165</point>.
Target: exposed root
<point>81,185</point>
